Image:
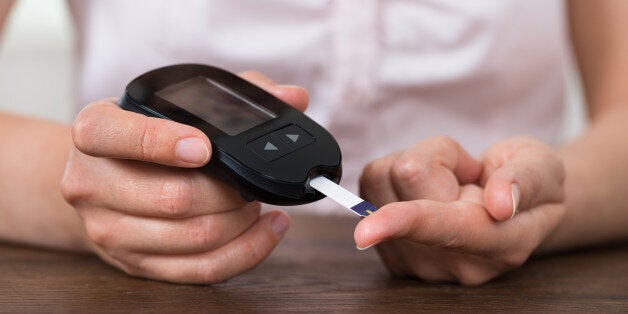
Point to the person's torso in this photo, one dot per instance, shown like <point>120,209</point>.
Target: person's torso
<point>382,75</point>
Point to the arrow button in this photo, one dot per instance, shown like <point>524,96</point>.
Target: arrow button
<point>293,137</point>
<point>270,146</point>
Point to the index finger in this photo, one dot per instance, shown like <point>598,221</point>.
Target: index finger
<point>295,96</point>
<point>434,169</point>
<point>464,227</point>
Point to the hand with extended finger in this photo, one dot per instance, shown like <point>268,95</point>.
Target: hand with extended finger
<point>446,216</point>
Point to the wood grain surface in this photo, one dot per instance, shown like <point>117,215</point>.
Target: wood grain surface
<point>315,269</point>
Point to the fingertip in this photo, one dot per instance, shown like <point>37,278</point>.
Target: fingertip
<point>502,198</point>
<point>362,235</point>
<point>368,232</point>
<point>257,78</point>
<point>296,96</point>
<point>279,223</point>
<point>193,150</point>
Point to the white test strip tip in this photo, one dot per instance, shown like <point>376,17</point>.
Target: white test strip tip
<point>342,196</point>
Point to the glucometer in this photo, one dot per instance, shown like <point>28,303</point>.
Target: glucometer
<point>261,146</point>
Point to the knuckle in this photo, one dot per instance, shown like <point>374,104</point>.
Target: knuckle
<point>373,175</point>
<point>85,130</point>
<point>176,198</point>
<point>73,189</point>
<point>372,169</point>
<point>469,275</point>
<point>514,259</point>
<point>204,233</point>
<point>96,231</point>
<point>86,127</point>
<point>405,169</point>
<point>408,169</point>
<point>149,139</point>
<point>472,280</point>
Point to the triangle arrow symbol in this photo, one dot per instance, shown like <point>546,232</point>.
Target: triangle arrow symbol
<point>270,146</point>
<point>293,137</point>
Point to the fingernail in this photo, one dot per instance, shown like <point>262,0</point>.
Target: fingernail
<point>516,198</point>
<point>364,248</point>
<point>280,224</point>
<point>192,150</point>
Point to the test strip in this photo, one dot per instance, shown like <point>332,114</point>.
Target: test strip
<point>342,196</point>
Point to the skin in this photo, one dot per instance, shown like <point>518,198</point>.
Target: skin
<point>446,216</point>
<point>140,205</point>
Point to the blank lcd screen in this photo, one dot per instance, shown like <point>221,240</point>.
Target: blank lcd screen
<point>216,104</point>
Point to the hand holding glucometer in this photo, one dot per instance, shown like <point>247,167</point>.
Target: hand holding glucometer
<point>262,147</point>
<point>146,209</point>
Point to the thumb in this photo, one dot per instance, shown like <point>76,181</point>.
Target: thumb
<point>102,129</point>
<point>521,173</point>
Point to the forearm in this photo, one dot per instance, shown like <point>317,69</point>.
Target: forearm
<point>597,162</point>
<point>32,162</point>
<point>596,189</point>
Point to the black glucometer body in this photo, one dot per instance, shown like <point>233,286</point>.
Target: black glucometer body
<point>261,146</point>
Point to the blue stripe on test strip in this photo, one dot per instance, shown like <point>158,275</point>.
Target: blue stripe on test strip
<point>364,208</point>
<point>342,196</point>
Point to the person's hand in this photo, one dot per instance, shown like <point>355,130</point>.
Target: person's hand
<point>148,212</point>
<point>445,216</point>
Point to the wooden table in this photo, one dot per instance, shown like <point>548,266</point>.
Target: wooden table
<point>316,268</point>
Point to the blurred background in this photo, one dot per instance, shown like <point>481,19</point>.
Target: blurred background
<point>36,65</point>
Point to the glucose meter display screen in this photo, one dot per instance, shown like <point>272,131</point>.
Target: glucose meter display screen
<point>217,104</point>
